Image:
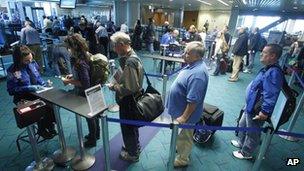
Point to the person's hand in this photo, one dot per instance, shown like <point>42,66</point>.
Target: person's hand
<point>181,120</point>
<point>110,86</point>
<point>35,87</point>
<point>66,81</point>
<point>261,116</point>
<point>69,76</point>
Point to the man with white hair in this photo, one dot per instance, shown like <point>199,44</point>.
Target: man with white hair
<point>127,88</point>
<point>186,98</point>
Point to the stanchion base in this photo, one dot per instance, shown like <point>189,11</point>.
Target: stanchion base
<point>47,164</point>
<point>289,138</point>
<point>62,157</point>
<point>84,163</point>
<point>113,108</point>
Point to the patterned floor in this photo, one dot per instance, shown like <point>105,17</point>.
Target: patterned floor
<point>214,156</point>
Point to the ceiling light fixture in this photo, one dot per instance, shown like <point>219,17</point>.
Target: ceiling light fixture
<point>224,3</point>
<point>244,1</point>
<point>204,2</point>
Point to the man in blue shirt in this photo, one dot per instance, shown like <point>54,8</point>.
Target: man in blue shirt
<point>186,98</point>
<point>265,88</point>
<point>30,37</point>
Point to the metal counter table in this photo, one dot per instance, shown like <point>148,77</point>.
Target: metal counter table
<point>163,58</point>
<point>79,106</point>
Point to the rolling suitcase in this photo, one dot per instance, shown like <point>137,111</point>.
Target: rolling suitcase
<point>212,116</point>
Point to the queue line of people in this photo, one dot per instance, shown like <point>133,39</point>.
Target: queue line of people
<point>188,90</point>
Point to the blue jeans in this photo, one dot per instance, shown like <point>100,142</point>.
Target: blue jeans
<point>150,47</point>
<point>249,140</point>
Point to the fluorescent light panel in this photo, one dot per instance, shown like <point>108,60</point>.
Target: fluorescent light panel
<point>204,2</point>
<point>244,1</point>
<point>224,3</point>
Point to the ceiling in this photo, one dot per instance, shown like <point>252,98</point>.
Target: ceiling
<point>193,5</point>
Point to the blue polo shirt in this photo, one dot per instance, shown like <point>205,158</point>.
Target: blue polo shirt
<point>190,86</point>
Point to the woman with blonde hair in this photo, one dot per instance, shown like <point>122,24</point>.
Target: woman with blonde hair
<point>81,79</point>
<point>221,48</point>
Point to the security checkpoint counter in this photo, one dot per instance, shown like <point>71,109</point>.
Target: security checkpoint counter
<point>80,107</point>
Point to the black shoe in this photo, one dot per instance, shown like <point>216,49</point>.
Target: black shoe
<point>45,134</point>
<point>88,137</point>
<point>52,131</point>
<point>89,144</point>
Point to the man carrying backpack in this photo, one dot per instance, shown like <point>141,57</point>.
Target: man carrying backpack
<point>264,90</point>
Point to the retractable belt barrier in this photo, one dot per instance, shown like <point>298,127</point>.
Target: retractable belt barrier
<point>204,127</point>
<point>169,75</point>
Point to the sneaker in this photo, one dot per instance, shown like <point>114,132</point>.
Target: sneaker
<point>124,150</point>
<point>238,154</point>
<point>127,157</point>
<point>236,143</point>
<point>180,163</point>
<point>89,144</point>
<point>232,80</point>
<point>247,71</point>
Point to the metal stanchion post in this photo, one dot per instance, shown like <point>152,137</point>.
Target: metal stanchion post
<point>83,161</point>
<point>114,107</point>
<point>291,78</point>
<point>263,149</point>
<point>38,165</point>
<point>293,120</point>
<point>65,154</point>
<point>105,141</point>
<point>165,79</point>
<point>173,146</point>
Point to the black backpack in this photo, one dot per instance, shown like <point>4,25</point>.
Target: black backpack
<point>290,105</point>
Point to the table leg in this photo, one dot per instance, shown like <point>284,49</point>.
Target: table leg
<point>84,160</point>
<point>38,165</point>
<point>105,140</point>
<point>3,67</point>
<point>163,67</point>
<point>65,154</point>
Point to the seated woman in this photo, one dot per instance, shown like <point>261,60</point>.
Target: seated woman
<point>23,78</point>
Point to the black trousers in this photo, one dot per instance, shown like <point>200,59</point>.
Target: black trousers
<point>104,41</point>
<point>94,128</point>
<point>130,134</point>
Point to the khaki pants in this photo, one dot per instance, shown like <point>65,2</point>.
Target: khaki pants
<point>237,60</point>
<point>184,145</point>
<point>37,54</point>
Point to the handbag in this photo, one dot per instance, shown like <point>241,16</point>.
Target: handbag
<point>149,104</point>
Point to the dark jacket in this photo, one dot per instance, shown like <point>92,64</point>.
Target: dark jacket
<point>83,75</point>
<point>254,42</point>
<point>22,81</point>
<point>240,47</point>
<point>227,37</point>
